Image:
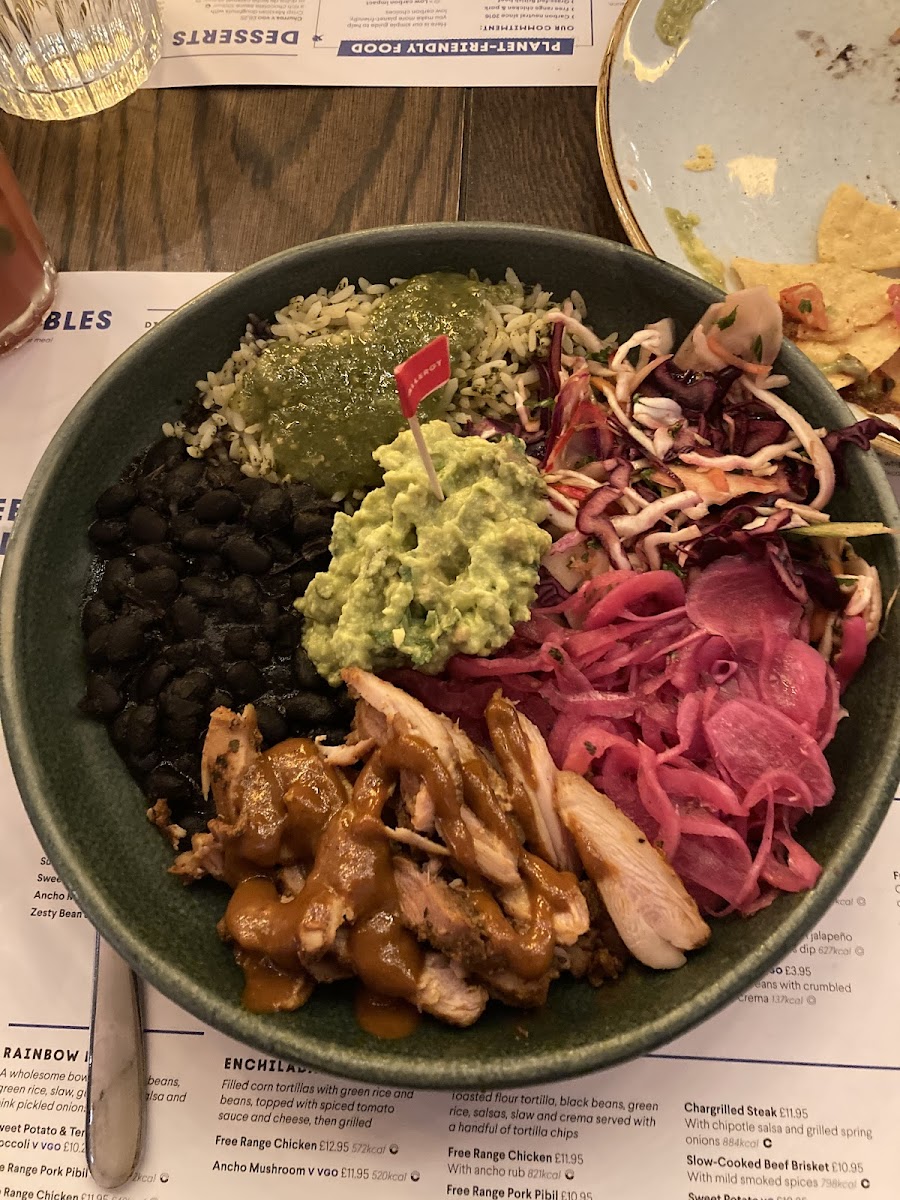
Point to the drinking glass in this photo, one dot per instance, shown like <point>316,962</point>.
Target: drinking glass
<point>71,58</point>
<point>27,273</point>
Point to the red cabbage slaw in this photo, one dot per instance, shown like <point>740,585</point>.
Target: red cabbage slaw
<point>693,629</point>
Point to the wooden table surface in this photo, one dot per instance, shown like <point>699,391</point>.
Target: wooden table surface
<point>214,178</point>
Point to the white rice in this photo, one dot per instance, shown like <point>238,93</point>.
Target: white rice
<point>484,384</point>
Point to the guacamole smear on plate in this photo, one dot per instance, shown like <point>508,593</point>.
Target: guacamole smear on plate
<point>414,580</point>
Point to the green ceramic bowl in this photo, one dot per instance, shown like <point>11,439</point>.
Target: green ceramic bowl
<point>89,815</point>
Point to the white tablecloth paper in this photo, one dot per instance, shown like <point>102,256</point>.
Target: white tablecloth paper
<point>432,43</point>
<point>791,1092</point>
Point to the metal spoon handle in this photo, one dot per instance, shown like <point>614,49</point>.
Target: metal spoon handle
<point>116,1084</point>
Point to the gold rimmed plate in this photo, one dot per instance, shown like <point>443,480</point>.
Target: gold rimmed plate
<point>780,101</point>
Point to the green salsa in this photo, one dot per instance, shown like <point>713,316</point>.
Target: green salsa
<point>325,406</point>
<point>414,580</point>
<point>674,20</point>
<point>698,254</point>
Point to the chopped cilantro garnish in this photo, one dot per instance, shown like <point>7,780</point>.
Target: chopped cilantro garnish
<point>805,306</point>
<point>757,347</point>
<point>555,654</point>
<point>603,356</point>
<point>728,320</point>
<point>675,569</point>
<point>590,747</point>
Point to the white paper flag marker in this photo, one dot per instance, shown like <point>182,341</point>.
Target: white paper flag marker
<point>423,373</point>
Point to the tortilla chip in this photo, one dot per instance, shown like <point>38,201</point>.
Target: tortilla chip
<point>873,346</point>
<point>703,160</point>
<point>852,298</point>
<point>856,232</point>
<point>891,368</point>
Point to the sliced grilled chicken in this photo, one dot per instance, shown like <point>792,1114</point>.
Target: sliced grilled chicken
<point>445,993</point>
<point>654,915</point>
<point>232,743</point>
<point>404,714</point>
<point>531,781</point>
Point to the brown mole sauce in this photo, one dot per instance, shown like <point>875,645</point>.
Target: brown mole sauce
<point>385,1016</point>
<point>266,989</point>
<point>298,809</point>
<point>352,869</point>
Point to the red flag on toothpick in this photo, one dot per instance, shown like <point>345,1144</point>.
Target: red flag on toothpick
<point>423,373</point>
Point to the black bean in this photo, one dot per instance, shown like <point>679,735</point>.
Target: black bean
<point>201,539</point>
<point>304,671</point>
<point>119,727</point>
<point>246,554</point>
<point>314,548</point>
<point>101,698</point>
<point>202,589</point>
<point>149,614</point>
<point>209,564</point>
<point>94,614</point>
<point>272,724</point>
<point>149,493</point>
<point>118,578</point>
<point>183,732</point>
<point>268,619</point>
<point>165,783</point>
<point>177,708</point>
<point>185,655</point>
<point>224,474</point>
<point>287,634</point>
<point>220,699</point>
<point>304,497</point>
<point>217,505</point>
<point>248,488</point>
<point>309,708</point>
<point>308,524</point>
<point>300,581</point>
<point>164,453</point>
<point>147,526</point>
<point>116,500</point>
<point>270,510</point>
<point>261,652</point>
<point>184,481</point>
<point>186,618</point>
<point>280,678</point>
<point>279,588</point>
<point>282,550</point>
<point>238,641</point>
<point>142,763</point>
<point>126,639</point>
<point>159,584</point>
<point>192,822</point>
<point>244,680</point>
<point>106,532</point>
<point>97,642</point>
<point>153,679</point>
<point>181,524</point>
<point>145,558</point>
<point>195,685</point>
<point>141,731</point>
<point>244,598</point>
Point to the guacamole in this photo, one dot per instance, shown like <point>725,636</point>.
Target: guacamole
<point>698,254</point>
<point>414,580</point>
<point>324,405</point>
<point>674,20</point>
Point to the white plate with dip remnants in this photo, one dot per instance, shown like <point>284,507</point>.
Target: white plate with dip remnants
<point>779,100</point>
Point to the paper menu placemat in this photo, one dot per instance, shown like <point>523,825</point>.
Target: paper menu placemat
<point>396,43</point>
<point>791,1092</point>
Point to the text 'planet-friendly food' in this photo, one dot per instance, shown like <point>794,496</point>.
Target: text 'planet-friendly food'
<point>550,723</point>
